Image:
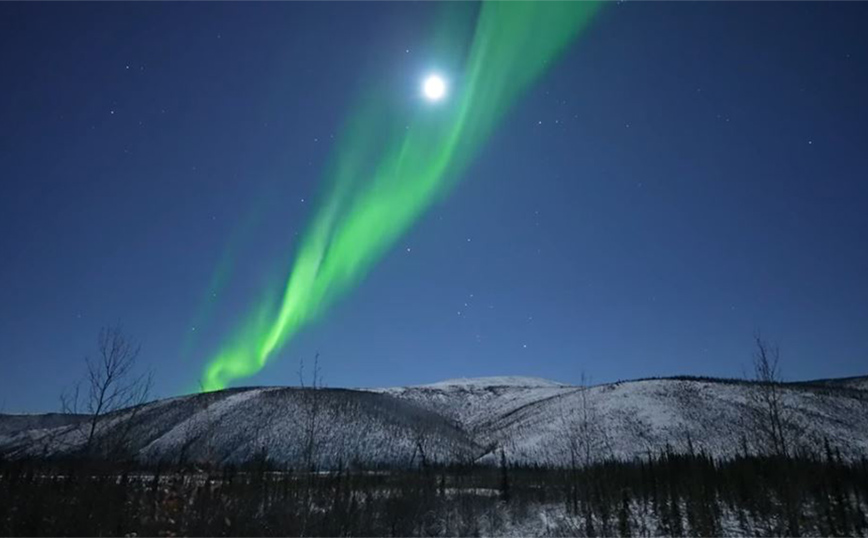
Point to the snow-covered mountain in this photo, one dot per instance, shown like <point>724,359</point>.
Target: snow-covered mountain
<point>532,420</point>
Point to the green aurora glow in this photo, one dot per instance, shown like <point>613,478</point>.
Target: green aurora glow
<point>387,169</point>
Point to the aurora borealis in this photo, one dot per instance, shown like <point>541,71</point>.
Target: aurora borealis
<point>387,171</point>
<point>624,189</point>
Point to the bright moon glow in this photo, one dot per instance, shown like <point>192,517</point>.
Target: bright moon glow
<point>434,88</point>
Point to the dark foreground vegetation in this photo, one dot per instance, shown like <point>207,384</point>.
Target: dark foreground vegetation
<point>668,494</point>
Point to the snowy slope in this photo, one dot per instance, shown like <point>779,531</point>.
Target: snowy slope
<point>632,418</point>
<point>12,424</point>
<point>856,383</point>
<point>532,420</point>
<point>235,425</point>
<point>496,381</point>
<point>473,403</point>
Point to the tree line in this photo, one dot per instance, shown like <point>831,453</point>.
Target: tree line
<point>662,494</point>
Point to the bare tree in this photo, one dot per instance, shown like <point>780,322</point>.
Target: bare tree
<point>110,384</point>
<point>585,435</point>
<point>586,441</point>
<point>310,400</point>
<point>311,410</point>
<point>770,414</point>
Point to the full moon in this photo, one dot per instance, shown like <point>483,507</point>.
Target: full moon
<point>434,88</point>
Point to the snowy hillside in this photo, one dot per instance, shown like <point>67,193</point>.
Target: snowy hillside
<point>497,381</point>
<point>632,418</point>
<point>532,420</point>
<point>473,403</point>
<point>236,425</point>
<point>856,383</point>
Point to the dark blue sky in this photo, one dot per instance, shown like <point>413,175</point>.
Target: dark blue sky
<point>687,174</point>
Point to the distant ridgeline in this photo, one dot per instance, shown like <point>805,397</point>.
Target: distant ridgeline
<point>530,421</point>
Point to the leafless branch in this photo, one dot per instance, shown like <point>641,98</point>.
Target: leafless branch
<point>771,416</point>
<point>110,384</point>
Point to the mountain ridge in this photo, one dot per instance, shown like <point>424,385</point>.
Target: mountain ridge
<point>532,420</point>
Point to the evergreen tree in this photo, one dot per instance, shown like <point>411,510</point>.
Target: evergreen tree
<point>676,525</point>
<point>624,527</point>
<point>504,478</point>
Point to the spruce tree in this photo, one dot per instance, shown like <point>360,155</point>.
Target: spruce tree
<point>624,515</point>
<point>504,478</point>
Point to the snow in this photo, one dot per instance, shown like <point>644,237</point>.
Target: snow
<point>532,420</point>
<point>495,381</point>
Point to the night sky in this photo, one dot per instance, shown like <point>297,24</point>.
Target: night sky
<point>684,175</point>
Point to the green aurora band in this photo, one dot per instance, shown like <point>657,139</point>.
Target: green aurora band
<point>390,165</point>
